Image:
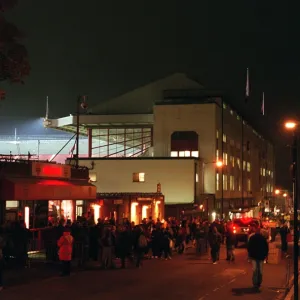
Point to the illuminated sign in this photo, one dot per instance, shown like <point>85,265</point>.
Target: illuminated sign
<point>51,170</point>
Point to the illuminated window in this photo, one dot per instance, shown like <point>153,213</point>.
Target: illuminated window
<point>217,134</point>
<point>138,177</point>
<point>238,117</point>
<point>174,153</point>
<point>271,188</point>
<point>12,204</point>
<point>93,176</point>
<point>231,183</point>
<point>225,159</point>
<point>224,182</point>
<point>224,106</point>
<point>197,178</point>
<point>217,181</point>
<point>195,154</point>
<point>271,174</point>
<point>231,159</point>
<point>231,112</point>
<point>238,162</point>
<point>224,138</point>
<point>240,185</point>
<point>187,153</point>
<point>244,165</point>
<point>217,154</point>
<point>261,171</point>
<point>264,172</point>
<point>249,185</point>
<point>181,153</point>
<point>248,167</point>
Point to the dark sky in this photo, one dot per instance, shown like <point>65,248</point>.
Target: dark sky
<point>104,48</point>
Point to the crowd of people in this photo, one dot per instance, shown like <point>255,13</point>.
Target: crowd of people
<point>106,241</point>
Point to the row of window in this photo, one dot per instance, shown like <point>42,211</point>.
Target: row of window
<point>184,153</point>
<point>234,161</point>
<point>234,184</point>
<point>264,172</point>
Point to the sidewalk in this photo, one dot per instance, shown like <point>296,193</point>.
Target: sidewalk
<point>274,284</point>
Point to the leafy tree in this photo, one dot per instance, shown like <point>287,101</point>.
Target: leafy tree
<point>14,63</point>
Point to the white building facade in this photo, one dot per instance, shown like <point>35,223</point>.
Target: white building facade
<point>173,131</point>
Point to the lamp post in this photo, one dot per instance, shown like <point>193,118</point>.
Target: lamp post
<point>81,103</point>
<point>292,126</point>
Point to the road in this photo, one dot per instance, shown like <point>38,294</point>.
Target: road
<point>183,277</point>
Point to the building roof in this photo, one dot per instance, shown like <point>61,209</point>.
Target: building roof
<point>142,99</point>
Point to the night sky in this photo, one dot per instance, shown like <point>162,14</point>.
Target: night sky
<point>105,48</point>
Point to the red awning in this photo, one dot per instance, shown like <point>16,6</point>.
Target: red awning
<point>46,189</point>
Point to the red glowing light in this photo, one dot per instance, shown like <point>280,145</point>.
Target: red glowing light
<point>52,171</point>
<point>54,182</point>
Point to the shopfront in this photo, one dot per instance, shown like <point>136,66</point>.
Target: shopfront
<point>49,193</point>
<point>132,206</point>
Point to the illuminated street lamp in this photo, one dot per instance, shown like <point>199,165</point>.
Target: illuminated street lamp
<point>284,195</point>
<point>292,126</point>
<point>277,192</point>
<point>219,164</point>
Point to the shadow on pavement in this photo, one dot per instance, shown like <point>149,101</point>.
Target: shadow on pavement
<point>243,291</point>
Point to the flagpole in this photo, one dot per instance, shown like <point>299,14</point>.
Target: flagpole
<point>222,150</point>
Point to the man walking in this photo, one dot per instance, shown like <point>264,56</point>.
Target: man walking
<point>258,250</point>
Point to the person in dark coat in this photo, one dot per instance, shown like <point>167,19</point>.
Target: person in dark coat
<point>215,240</point>
<point>258,250</point>
<point>230,243</point>
<point>284,231</point>
<point>124,245</point>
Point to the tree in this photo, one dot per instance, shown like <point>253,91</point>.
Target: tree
<point>14,63</point>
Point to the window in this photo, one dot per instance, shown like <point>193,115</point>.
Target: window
<point>238,162</point>
<point>93,177</point>
<point>238,117</point>
<point>217,182</point>
<point>231,112</point>
<point>244,165</point>
<point>264,172</point>
<point>248,167</point>
<point>271,174</point>
<point>224,138</point>
<point>225,159</point>
<point>12,204</point>
<point>138,177</point>
<point>224,106</point>
<point>186,153</point>
<point>197,178</point>
<point>217,154</point>
<point>195,154</point>
<point>249,185</point>
<point>231,159</point>
<point>225,182</point>
<point>231,183</point>
<point>217,134</point>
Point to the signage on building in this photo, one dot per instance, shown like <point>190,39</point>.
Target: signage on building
<point>40,169</point>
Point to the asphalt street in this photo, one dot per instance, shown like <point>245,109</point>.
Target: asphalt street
<point>183,277</point>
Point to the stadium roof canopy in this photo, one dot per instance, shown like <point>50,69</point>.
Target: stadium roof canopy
<point>132,109</point>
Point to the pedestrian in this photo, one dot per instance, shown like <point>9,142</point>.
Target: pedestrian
<point>2,245</point>
<point>140,246</point>
<point>65,245</point>
<point>215,240</point>
<point>230,243</point>
<point>284,231</point>
<point>258,250</point>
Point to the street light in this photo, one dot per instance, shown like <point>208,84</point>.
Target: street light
<point>277,192</point>
<point>219,164</point>
<point>284,195</point>
<point>292,126</point>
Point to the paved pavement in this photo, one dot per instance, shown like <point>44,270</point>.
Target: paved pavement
<point>183,277</point>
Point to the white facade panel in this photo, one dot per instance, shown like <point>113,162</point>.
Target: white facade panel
<point>176,176</point>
